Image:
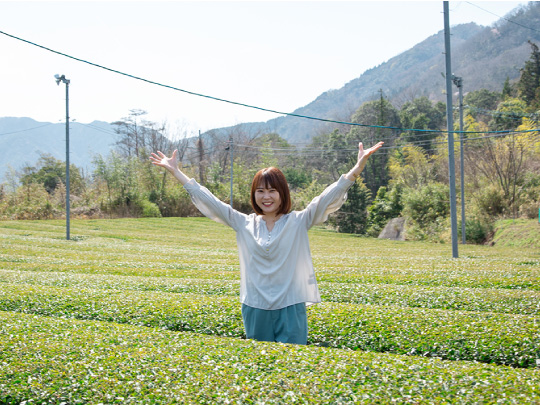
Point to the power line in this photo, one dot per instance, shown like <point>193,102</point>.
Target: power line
<point>28,129</point>
<point>504,18</point>
<point>211,97</point>
<point>187,91</point>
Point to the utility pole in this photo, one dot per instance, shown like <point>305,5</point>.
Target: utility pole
<point>458,81</point>
<point>450,127</point>
<point>66,81</point>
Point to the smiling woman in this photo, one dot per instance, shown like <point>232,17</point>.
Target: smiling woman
<point>277,278</point>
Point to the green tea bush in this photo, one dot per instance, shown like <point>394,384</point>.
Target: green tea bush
<point>109,316</point>
<point>54,360</point>
<point>457,335</point>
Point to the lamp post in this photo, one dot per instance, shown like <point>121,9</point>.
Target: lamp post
<point>458,81</point>
<point>66,81</point>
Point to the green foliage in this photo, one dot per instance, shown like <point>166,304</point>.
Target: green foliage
<point>427,209</point>
<point>509,114</point>
<point>509,90</point>
<point>31,201</point>
<point>421,113</point>
<point>411,167</point>
<point>529,81</point>
<point>378,113</point>
<point>483,99</point>
<point>53,360</point>
<point>476,230</point>
<point>297,178</point>
<point>51,172</point>
<point>489,201</point>
<point>352,217</point>
<point>387,205</point>
<point>149,209</point>
<point>301,198</point>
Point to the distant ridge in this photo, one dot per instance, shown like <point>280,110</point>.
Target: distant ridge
<point>22,140</point>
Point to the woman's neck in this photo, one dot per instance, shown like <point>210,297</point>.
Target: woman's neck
<point>270,220</point>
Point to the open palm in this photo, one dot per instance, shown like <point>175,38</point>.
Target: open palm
<point>364,154</point>
<point>160,159</point>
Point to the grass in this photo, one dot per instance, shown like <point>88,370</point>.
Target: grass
<point>147,310</point>
<point>517,233</point>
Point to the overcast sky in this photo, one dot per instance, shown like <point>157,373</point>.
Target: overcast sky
<point>278,55</point>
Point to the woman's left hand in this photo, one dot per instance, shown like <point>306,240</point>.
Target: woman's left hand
<point>364,154</point>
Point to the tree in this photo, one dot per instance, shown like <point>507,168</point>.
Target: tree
<point>377,113</point>
<point>508,90</point>
<point>387,205</point>
<point>131,138</point>
<point>411,167</point>
<point>426,209</point>
<point>50,172</point>
<point>480,103</point>
<point>529,81</point>
<point>509,114</point>
<point>421,113</point>
<point>352,217</point>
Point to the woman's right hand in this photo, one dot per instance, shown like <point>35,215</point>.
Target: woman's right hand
<point>161,160</point>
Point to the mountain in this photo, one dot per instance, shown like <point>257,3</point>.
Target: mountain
<point>22,140</point>
<point>483,56</point>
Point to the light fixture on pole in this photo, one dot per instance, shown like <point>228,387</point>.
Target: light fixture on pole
<point>66,81</point>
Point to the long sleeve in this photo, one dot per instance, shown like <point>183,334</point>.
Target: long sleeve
<point>330,200</point>
<point>211,207</point>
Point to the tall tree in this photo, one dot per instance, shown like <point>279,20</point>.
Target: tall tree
<point>529,81</point>
<point>375,114</point>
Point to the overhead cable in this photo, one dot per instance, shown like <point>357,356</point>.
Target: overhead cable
<point>504,18</point>
<point>217,98</point>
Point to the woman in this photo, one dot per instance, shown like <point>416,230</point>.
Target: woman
<point>277,280</point>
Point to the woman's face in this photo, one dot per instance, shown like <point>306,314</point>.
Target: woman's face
<point>267,199</point>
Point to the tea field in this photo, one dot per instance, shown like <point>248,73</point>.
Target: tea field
<point>147,311</point>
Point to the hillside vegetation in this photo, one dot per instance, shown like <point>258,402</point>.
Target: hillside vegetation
<point>517,233</point>
<point>134,310</point>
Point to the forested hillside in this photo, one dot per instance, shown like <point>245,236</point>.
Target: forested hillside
<point>483,56</point>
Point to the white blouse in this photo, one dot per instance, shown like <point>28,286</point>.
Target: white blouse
<point>276,269</point>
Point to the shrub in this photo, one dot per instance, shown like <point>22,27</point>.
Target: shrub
<point>427,209</point>
<point>149,209</point>
<point>489,201</point>
<point>476,230</point>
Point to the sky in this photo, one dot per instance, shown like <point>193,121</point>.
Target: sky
<point>277,55</point>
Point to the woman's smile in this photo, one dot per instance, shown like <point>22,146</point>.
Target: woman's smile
<point>268,199</point>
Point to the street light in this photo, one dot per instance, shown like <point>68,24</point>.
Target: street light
<point>458,81</point>
<point>66,81</point>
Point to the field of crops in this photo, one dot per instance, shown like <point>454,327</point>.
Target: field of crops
<point>147,311</point>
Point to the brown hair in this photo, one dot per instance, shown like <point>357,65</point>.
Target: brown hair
<point>272,177</point>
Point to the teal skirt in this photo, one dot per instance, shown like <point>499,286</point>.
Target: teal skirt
<point>285,325</point>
